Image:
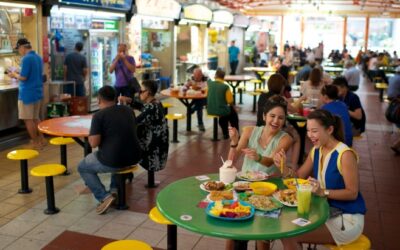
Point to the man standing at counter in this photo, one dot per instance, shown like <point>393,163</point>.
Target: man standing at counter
<point>30,89</point>
<point>75,69</point>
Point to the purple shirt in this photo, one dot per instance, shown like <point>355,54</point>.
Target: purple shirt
<point>122,73</point>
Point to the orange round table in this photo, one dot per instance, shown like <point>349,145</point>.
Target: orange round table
<point>234,81</point>
<point>71,126</point>
<point>187,100</point>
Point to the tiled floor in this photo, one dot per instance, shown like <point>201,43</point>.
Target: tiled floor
<point>24,226</point>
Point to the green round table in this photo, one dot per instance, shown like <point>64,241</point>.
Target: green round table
<point>181,198</point>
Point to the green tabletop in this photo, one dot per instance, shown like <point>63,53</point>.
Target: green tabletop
<point>297,117</point>
<point>182,197</point>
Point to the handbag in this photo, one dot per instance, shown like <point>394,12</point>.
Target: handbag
<point>132,83</point>
<point>392,113</point>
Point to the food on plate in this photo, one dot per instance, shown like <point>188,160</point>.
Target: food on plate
<point>241,186</point>
<point>221,195</point>
<point>263,188</point>
<point>253,175</point>
<point>230,209</point>
<point>214,186</point>
<point>291,182</point>
<point>288,196</point>
<point>262,202</point>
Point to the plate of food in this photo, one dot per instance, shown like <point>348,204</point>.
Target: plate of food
<point>221,195</point>
<point>209,186</point>
<point>252,175</point>
<point>261,202</point>
<point>287,197</point>
<point>291,182</point>
<point>241,186</point>
<point>230,210</point>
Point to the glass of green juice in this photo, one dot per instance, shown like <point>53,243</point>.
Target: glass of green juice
<point>303,200</point>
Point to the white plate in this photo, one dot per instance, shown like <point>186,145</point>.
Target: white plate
<point>277,196</point>
<point>203,187</point>
<point>254,176</point>
<point>235,184</point>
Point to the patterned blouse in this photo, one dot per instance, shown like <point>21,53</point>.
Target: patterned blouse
<point>153,136</point>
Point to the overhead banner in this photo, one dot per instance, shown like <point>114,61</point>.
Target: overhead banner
<point>159,8</point>
<point>222,16</point>
<point>197,12</point>
<point>124,5</point>
<point>241,21</point>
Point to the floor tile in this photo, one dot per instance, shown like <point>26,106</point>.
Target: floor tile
<point>185,241</point>
<point>17,227</point>
<point>150,236</point>
<point>115,230</point>
<point>45,232</point>
<point>6,240</point>
<point>25,243</point>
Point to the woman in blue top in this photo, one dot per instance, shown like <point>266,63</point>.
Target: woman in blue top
<point>333,166</point>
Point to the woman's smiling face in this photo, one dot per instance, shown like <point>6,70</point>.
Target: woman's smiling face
<point>275,118</point>
<point>318,134</point>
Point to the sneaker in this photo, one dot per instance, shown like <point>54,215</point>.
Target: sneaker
<point>105,204</point>
<point>202,128</point>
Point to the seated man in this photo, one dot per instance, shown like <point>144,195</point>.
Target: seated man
<point>356,112</point>
<point>198,82</point>
<point>352,75</point>
<point>220,101</point>
<point>113,130</point>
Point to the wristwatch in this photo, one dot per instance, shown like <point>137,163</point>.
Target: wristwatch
<point>326,192</point>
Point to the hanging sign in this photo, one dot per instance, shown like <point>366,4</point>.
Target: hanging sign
<point>222,16</point>
<point>124,5</point>
<point>241,21</point>
<point>159,8</point>
<point>197,12</point>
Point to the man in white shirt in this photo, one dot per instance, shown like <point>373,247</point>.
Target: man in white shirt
<point>352,75</point>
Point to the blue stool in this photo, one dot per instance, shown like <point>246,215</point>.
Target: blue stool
<point>165,81</point>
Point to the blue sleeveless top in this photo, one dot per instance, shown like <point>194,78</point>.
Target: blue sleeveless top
<point>329,174</point>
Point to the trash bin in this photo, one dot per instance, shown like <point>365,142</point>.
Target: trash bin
<point>78,105</point>
<point>212,63</point>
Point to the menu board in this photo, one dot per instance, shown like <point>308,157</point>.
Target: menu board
<point>124,5</point>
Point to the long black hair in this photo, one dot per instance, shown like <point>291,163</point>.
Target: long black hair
<point>327,119</point>
<point>275,101</point>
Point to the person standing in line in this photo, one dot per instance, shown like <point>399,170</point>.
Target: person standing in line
<point>75,69</point>
<point>124,67</point>
<point>113,131</point>
<point>233,57</point>
<point>30,90</point>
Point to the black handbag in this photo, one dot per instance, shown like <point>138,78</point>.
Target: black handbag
<point>132,83</point>
<point>392,113</point>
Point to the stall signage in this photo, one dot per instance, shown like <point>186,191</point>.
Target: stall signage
<point>159,8</point>
<point>104,25</point>
<point>197,12</point>
<point>241,21</point>
<point>124,5</point>
<point>222,16</point>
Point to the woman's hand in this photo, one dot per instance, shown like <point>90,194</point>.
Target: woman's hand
<point>251,153</point>
<point>316,187</point>
<point>234,135</point>
<point>278,157</point>
<point>124,100</point>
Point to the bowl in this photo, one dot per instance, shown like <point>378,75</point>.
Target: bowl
<point>263,188</point>
<point>291,183</point>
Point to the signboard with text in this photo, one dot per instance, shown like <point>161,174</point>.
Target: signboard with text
<point>124,5</point>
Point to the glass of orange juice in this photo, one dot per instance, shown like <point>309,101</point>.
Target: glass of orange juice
<point>303,200</point>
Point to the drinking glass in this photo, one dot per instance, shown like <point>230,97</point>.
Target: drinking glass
<point>303,200</point>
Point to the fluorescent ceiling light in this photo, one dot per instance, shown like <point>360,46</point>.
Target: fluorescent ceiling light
<point>185,21</point>
<point>85,12</point>
<point>19,5</point>
<point>155,17</point>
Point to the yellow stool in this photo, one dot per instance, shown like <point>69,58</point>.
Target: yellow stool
<point>48,171</point>
<point>362,243</point>
<point>254,94</point>
<point>120,177</point>
<point>175,117</point>
<point>172,230</point>
<point>381,86</point>
<point>301,124</point>
<point>23,155</point>
<point>62,142</point>
<point>256,81</point>
<point>127,245</point>
<point>166,106</point>
<point>215,127</point>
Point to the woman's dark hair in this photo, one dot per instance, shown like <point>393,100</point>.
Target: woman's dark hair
<point>273,102</point>
<point>107,93</point>
<point>151,86</point>
<point>341,82</point>
<point>315,77</point>
<point>284,71</point>
<point>331,91</point>
<point>327,119</point>
<point>275,83</point>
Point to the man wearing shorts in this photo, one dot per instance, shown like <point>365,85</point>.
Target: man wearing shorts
<point>30,90</point>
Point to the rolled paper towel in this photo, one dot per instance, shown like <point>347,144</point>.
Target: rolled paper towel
<point>227,173</point>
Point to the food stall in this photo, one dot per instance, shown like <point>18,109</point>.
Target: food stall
<point>192,39</point>
<point>100,31</point>
<point>236,32</point>
<point>17,20</point>
<point>150,35</point>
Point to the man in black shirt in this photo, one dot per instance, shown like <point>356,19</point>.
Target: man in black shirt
<point>75,69</point>
<point>113,131</point>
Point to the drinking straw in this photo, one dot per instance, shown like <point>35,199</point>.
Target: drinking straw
<point>297,183</point>
<point>222,159</point>
<point>281,165</point>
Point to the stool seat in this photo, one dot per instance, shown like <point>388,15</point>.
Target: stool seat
<point>213,116</point>
<point>22,154</point>
<point>175,116</point>
<point>48,170</point>
<point>127,245</point>
<point>61,141</point>
<point>301,124</point>
<point>261,91</point>
<point>157,217</point>
<point>253,93</point>
<point>255,80</point>
<point>362,243</point>
<point>132,169</point>
<point>167,105</point>
<point>381,85</point>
